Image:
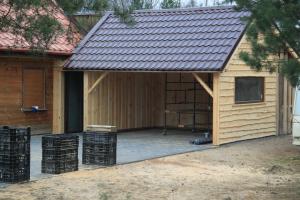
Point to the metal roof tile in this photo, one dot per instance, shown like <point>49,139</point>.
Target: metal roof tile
<point>165,40</point>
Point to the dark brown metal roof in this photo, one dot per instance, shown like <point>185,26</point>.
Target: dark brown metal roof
<point>197,39</point>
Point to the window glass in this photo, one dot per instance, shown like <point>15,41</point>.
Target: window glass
<point>297,102</point>
<point>33,88</point>
<point>249,89</point>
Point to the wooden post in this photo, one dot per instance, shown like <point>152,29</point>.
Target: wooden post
<point>289,108</point>
<point>58,100</point>
<point>216,108</point>
<point>277,103</point>
<point>285,106</point>
<point>85,100</point>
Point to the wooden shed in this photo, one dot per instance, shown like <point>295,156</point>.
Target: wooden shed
<point>27,78</point>
<point>174,69</point>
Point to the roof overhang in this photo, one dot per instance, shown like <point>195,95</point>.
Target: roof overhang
<point>177,40</point>
<point>138,71</point>
<point>24,51</point>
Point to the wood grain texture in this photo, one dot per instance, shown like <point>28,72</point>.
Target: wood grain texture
<point>33,87</point>
<point>245,121</point>
<point>216,109</point>
<point>58,99</point>
<point>11,95</point>
<point>126,100</point>
<point>136,100</point>
<point>86,113</point>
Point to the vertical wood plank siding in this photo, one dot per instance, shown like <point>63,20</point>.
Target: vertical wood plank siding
<point>136,100</point>
<point>11,96</point>
<point>245,121</point>
<point>127,100</point>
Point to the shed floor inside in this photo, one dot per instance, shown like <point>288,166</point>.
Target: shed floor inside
<point>131,147</point>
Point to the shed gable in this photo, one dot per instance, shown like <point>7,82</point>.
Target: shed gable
<point>250,120</point>
<point>200,39</point>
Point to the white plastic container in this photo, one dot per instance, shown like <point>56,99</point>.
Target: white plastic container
<point>296,118</point>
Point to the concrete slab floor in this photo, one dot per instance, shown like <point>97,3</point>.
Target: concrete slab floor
<point>132,146</point>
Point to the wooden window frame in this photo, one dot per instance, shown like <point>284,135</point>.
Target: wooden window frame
<point>250,101</point>
<point>44,108</point>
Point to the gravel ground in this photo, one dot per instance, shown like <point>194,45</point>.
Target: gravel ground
<point>266,169</point>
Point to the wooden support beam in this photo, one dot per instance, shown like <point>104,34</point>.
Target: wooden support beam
<point>203,84</point>
<point>285,106</point>
<point>85,100</point>
<point>278,125</point>
<point>216,108</point>
<point>101,77</point>
<point>58,100</point>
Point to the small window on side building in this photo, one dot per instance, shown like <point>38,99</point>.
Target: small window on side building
<point>297,102</point>
<point>34,87</point>
<point>249,90</point>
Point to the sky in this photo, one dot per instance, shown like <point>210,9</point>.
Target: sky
<point>184,3</point>
<point>200,2</point>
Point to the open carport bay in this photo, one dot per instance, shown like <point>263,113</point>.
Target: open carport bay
<point>132,146</point>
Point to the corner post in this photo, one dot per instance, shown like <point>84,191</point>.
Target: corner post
<point>216,108</point>
<point>85,100</point>
<point>58,99</point>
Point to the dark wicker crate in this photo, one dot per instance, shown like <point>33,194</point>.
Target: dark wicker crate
<point>63,141</point>
<point>104,160</point>
<point>10,134</point>
<point>14,147</point>
<point>99,148</point>
<point>100,138</point>
<point>14,154</point>
<point>20,158</point>
<point>14,174</point>
<point>59,154</point>
<point>59,167</point>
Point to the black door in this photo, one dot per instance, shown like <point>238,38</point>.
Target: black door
<point>73,102</point>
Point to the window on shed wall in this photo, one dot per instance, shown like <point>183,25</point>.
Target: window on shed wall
<point>249,89</point>
<point>34,87</point>
<point>297,102</point>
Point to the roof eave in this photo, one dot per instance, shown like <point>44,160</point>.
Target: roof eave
<point>26,50</point>
<point>145,71</point>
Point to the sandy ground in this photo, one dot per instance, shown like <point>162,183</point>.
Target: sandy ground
<point>264,169</point>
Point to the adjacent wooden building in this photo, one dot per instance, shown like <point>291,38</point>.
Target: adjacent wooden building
<point>26,89</point>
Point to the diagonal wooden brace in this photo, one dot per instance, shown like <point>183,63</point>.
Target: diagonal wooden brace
<point>203,84</point>
<point>101,77</point>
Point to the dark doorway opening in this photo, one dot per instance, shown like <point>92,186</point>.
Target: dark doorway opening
<point>73,102</point>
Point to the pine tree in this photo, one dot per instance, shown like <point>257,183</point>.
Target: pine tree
<point>41,27</point>
<point>279,23</point>
<point>142,4</point>
<point>166,4</point>
<point>191,4</point>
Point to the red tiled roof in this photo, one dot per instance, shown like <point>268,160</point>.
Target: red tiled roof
<point>61,45</point>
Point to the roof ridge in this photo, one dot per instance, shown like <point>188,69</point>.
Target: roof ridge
<point>184,9</point>
<point>92,32</point>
